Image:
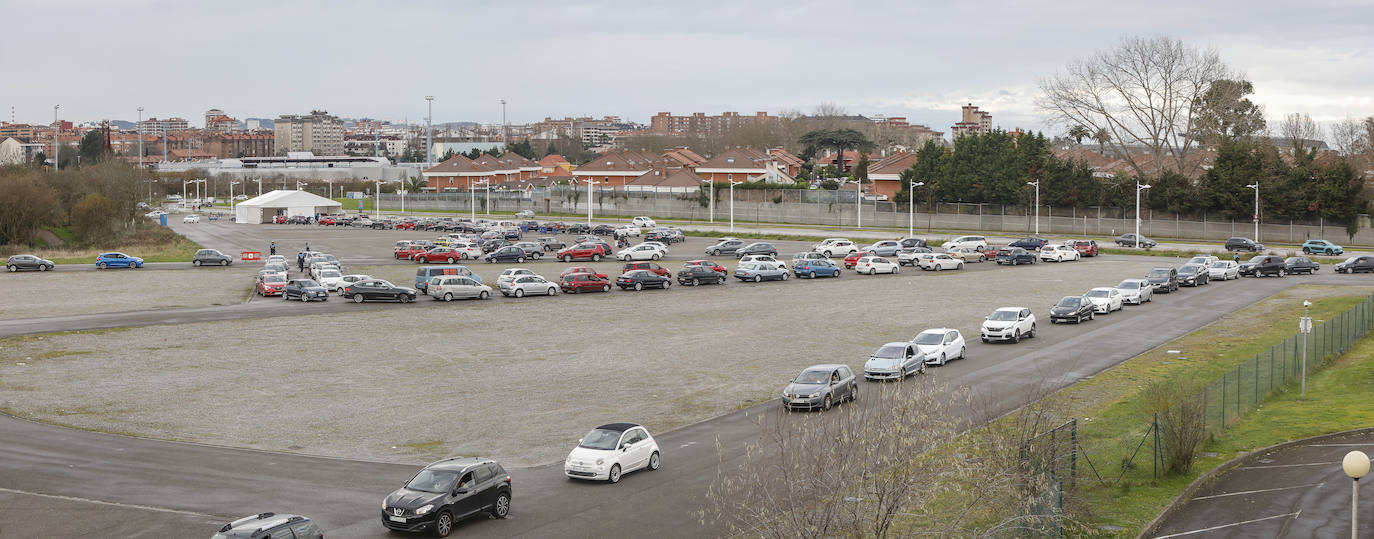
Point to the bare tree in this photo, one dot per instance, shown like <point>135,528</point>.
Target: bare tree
<point>1143,93</point>
<point>1297,129</point>
<point>1349,137</point>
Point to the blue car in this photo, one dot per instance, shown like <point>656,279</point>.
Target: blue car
<point>1321,247</point>
<point>812,268</point>
<point>117,260</point>
<point>508,253</point>
<point>884,248</point>
<point>1015,256</point>
<point>761,271</point>
<point>1029,243</point>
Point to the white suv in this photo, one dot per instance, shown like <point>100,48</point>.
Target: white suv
<point>643,222</point>
<point>976,242</point>
<point>833,246</point>
<point>1009,324</point>
<point>1058,253</point>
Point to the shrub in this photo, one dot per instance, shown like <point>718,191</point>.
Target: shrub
<point>1178,405</point>
<point>93,218</point>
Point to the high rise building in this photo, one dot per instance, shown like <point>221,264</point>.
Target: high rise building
<point>153,126</point>
<point>974,122</point>
<point>318,132</point>
<point>698,124</point>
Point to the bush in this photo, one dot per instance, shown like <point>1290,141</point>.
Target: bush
<point>1177,404</point>
<point>93,218</point>
<point>26,205</point>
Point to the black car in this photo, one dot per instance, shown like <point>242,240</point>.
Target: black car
<point>725,247</point>
<point>671,236</point>
<point>1300,264</point>
<point>505,254</point>
<point>1076,308</point>
<point>696,275</point>
<point>551,243</point>
<point>758,248</point>
<point>270,525</point>
<point>908,243</point>
<point>1356,264</point>
<point>1243,244</point>
<point>304,290</point>
<point>1263,265</point>
<point>638,279</point>
<point>494,244</point>
<point>603,230</point>
<point>1163,279</point>
<point>28,262</point>
<point>211,256</point>
<point>1130,240</point>
<point>448,491</point>
<point>1193,275</point>
<point>578,228</point>
<point>1015,256</point>
<point>1029,243</point>
<point>378,290</point>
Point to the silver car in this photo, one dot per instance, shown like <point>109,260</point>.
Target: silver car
<point>525,285</point>
<point>450,287</point>
<point>1136,291</point>
<point>894,361</point>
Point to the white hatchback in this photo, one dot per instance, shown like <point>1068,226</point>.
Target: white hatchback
<point>640,252</point>
<point>873,265</point>
<point>1058,253</point>
<point>1105,299</point>
<point>609,451</point>
<point>1223,270</point>
<point>940,345</point>
<point>758,258</point>
<point>193,218</point>
<point>448,287</point>
<point>976,242</point>
<point>525,285</point>
<point>833,246</point>
<point>939,261</point>
<point>1135,291</point>
<point>1008,324</point>
<point>348,280</point>
<point>643,222</point>
<point>510,274</point>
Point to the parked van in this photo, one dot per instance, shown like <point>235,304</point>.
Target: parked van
<point>424,273</point>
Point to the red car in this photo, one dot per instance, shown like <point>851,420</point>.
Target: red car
<point>719,268</point>
<point>990,253</point>
<point>582,251</point>
<point>280,219</point>
<point>651,266</point>
<point>409,253</point>
<point>326,220</point>
<point>270,285</point>
<point>581,269</point>
<point>447,255</point>
<point>1085,247</point>
<point>584,282</point>
<point>853,258</point>
<point>405,225</point>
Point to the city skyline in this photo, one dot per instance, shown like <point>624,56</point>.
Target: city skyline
<point>624,59</point>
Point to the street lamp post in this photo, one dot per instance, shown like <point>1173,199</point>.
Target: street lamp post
<point>911,210</point>
<point>56,140</point>
<point>429,132</point>
<point>233,203</point>
<point>712,203</point>
<point>1356,465</point>
<point>377,196</point>
<point>139,127</point>
<point>1255,186</point>
<point>504,132</point>
<point>858,204</point>
<point>1037,205</point>
<point>590,183</point>
<point>1138,189</point>
<point>1305,327</point>
<point>259,180</point>
<point>732,204</point>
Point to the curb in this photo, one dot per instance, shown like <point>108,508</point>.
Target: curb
<point>1224,467</point>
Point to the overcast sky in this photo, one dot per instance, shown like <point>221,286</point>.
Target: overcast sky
<point>922,60</point>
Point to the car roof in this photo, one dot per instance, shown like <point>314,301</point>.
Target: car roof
<point>896,343</point>
<point>618,427</point>
<point>1017,309</point>
<point>826,366</point>
<point>251,525</point>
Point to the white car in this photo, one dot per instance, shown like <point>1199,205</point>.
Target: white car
<point>894,361</point>
<point>939,261</point>
<point>525,285</point>
<point>640,252</point>
<point>759,258</point>
<point>1105,299</point>
<point>155,214</point>
<point>193,218</point>
<point>940,345</point>
<point>1058,253</point>
<point>909,257</point>
<point>833,246</point>
<point>1205,261</point>
<point>609,451</point>
<point>316,268</point>
<point>643,222</point>
<point>663,247</point>
<point>509,274</point>
<point>467,250</point>
<point>625,231</point>
<point>275,259</point>
<point>976,242</point>
<point>1223,270</point>
<point>448,287</point>
<point>873,265</point>
<point>240,197</point>
<point>331,279</point>
<point>1008,324</point>
<point>1135,291</point>
<point>347,280</point>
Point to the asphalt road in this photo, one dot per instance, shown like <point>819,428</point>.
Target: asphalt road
<point>122,486</point>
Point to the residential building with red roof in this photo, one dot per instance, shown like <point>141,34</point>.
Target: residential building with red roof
<point>456,174</point>
<point>615,169</point>
<point>667,180</point>
<point>886,174</point>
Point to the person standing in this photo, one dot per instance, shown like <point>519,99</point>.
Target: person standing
<point>273,248</point>
<point>300,261</point>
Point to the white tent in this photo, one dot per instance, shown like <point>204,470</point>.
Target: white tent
<point>263,208</point>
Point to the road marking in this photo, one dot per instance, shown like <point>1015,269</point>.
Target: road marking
<point>112,504</point>
<point>1288,465</point>
<point>1180,534</point>
<point>1256,491</point>
<point>1341,445</point>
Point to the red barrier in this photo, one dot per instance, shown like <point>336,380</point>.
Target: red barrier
<point>250,255</point>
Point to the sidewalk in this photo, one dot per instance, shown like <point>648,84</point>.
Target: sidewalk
<point>1295,491</point>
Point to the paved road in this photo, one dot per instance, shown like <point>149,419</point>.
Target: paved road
<point>123,485</point>
<point>1297,491</point>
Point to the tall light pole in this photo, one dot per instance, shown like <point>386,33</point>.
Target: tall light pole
<point>590,183</point>
<point>472,198</point>
<point>1356,465</point>
<point>505,133</point>
<point>429,132</point>
<point>1305,327</point>
<point>259,180</point>
<point>1255,186</point>
<point>712,202</point>
<point>330,184</point>
<point>56,140</point>
<point>732,204</point>
<point>139,128</point>
<point>1037,205</point>
<point>377,208</point>
<point>1138,189</point>
<point>858,202</point>
<point>911,210</point>
<point>232,202</point>
<point>164,143</point>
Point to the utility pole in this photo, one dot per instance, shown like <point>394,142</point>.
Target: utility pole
<point>1255,186</point>
<point>429,132</point>
<point>56,140</point>
<point>1037,205</point>
<point>505,133</point>
<point>1138,189</point>
<point>139,129</point>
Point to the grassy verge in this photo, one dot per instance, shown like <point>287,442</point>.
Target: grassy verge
<point>153,244</point>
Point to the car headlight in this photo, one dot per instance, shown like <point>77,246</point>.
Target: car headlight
<point>600,461</point>
<point>424,509</point>
<point>383,504</point>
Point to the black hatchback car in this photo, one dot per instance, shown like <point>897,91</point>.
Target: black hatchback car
<point>448,491</point>
<point>1015,256</point>
<point>304,290</point>
<point>1243,244</point>
<point>28,262</point>
<point>506,254</point>
<point>696,275</point>
<point>378,290</point>
<point>639,279</point>
<point>1300,264</point>
<point>1029,243</point>
<point>1076,308</point>
<point>1193,275</point>
<point>1356,264</point>
<point>270,525</point>
<point>759,248</point>
<point>1263,265</point>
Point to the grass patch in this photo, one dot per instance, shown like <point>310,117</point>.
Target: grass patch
<point>151,246</point>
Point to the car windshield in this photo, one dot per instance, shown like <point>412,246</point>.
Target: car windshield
<point>749,266</point>
<point>274,278</point>
<point>1219,264</point>
<point>1351,260</point>
<point>602,439</point>
<point>1189,269</point>
<point>433,481</point>
<point>1003,316</point>
<point>1257,260</point>
<point>1159,274</point>
<point>1067,302</point>
<point>890,352</point>
<point>1097,293</point>
<point>307,282</point>
<point>329,274</point>
<point>813,377</point>
<point>1128,285</point>
<point>930,337</point>
<point>1198,260</point>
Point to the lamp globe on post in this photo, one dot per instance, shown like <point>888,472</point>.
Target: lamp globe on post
<point>1356,465</point>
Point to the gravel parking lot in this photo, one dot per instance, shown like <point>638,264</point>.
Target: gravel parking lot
<point>519,379</point>
<point>33,294</point>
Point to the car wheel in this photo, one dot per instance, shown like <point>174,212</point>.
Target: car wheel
<point>943,360</point>
<point>450,260</point>
<point>448,296</point>
<point>785,276</point>
<point>490,260</point>
<point>653,461</point>
<point>357,298</point>
<point>963,352</point>
<point>195,263</point>
<point>102,265</point>
<point>12,268</point>
<point>596,258</point>
<point>828,403</point>
<point>656,257</point>
<point>1092,316</point>
<point>959,266</point>
<point>1014,262</point>
<point>939,267</point>
<point>666,284</point>
<point>403,298</point>
<point>520,260</point>
<point>484,295</point>
<point>639,287</point>
<point>606,288</point>
<point>1306,251</point>
<point>828,254</point>
<point>567,258</point>
<point>614,476</point>
<point>696,282</point>
<point>502,506</point>
<point>758,278</point>
<point>520,292</point>
<point>443,524</point>
<point>1015,337</point>
<point>811,275</point>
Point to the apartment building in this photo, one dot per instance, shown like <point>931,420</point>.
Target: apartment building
<point>698,124</point>
<point>154,125</point>
<point>241,144</point>
<point>974,122</point>
<point>318,132</point>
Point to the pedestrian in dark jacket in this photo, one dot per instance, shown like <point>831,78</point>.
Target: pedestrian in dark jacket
<point>300,261</point>
<point>274,248</point>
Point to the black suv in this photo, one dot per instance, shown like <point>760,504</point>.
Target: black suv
<point>446,492</point>
<point>1163,279</point>
<point>1263,265</point>
<point>1244,244</point>
<point>211,256</point>
<point>268,525</point>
